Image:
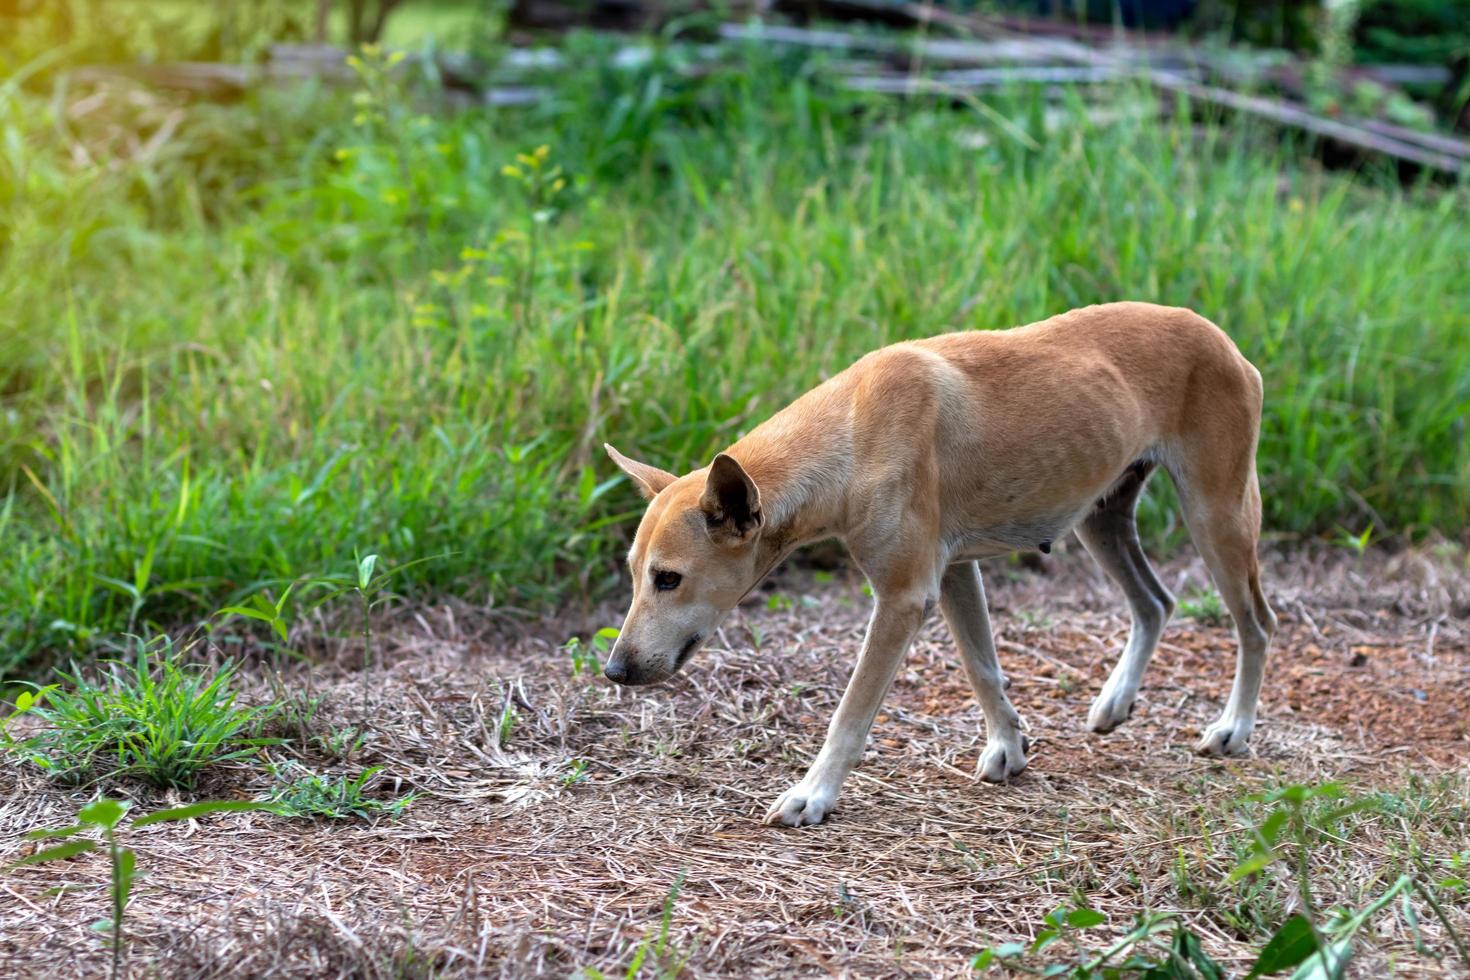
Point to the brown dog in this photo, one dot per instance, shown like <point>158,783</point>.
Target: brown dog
<point>929,454</point>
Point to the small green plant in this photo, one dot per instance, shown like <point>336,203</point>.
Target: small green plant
<point>370,585</point>
<point>1356,543</point>
<point>142,586</point>
<point>383,118</point>
<point>342,743</point>
<point>366,581</point>
<point>1138,952</point>
<point>266,610</point>
<point>576,772</point>
<point>296,716</point>
<point>586,657</point>
<point>1034,619</point>
<point>1314,946</point>
<point>543,183</point>
<point>666,964</point>
<point>1459,866</point>
<point>292,712</point>
<point>302,793</point>
<point>1297,817</point>
<point>103,816</point>
<point>506,724</point>
<point>1202,605</point>
<point>152,718</point>
<point>24,702</point>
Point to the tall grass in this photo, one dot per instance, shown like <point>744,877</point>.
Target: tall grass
<point>304,326</point>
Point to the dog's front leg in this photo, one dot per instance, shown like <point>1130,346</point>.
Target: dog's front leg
<point>962,600</point>
<point>890,631</point>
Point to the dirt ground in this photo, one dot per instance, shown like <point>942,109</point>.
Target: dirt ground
<point>558,850</point>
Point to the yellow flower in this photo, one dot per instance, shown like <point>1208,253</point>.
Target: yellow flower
<point>510,171</point>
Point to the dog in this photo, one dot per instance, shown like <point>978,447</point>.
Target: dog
<point>928,455</point>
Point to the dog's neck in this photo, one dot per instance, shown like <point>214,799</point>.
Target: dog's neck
<point>800,462</point>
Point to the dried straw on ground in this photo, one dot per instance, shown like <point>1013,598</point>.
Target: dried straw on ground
<point>557,849</point>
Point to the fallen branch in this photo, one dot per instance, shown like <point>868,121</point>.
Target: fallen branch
<point>1291,114</point>
<point>975,78</point>
<point>1091,66</point>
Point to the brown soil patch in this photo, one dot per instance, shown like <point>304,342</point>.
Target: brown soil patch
<point>511,865</point>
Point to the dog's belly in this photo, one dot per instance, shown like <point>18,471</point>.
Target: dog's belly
<point>1006,537</point>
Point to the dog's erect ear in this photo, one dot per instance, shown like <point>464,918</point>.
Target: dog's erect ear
<point>731,502</point>
<point>650,479</point>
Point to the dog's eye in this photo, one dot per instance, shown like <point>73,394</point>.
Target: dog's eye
<point>666,581</point>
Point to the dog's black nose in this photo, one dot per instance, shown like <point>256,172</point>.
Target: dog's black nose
<point>616,671</point>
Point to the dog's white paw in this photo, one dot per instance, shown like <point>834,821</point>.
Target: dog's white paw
<point>1112,707</point>
<point>800,806</point>
<point>1226,737</point>
<point>1004,756</point>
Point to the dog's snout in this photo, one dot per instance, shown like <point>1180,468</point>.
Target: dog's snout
<point>616,670</point>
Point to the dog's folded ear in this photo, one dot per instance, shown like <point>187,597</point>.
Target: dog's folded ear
<point>650,479</point>
<point>731,501</point>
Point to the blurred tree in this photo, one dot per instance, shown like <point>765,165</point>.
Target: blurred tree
<point>1290,24</point>
<point>366,19</point>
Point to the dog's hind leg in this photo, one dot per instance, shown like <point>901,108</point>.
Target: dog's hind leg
<point>1110,535</point>
<point>1225,527</point>
<point>962,600</point>
<point>1214,470</point>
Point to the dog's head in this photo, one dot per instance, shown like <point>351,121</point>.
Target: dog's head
<point>694,557</point>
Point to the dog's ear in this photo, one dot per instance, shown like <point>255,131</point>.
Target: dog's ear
<point>650,479</point>
<point>731,501</point>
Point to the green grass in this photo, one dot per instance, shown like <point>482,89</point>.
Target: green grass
<point>152,719</point>
<point>119,31</point>
<point>1204,605</point>
<point>301,793</point>
<point>303,327</point>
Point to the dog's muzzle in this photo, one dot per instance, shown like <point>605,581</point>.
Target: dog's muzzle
<point>687,650</point>
<point>620,668</point>
<point>618,671</point>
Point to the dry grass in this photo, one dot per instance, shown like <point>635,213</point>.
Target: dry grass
<point>509,866</point>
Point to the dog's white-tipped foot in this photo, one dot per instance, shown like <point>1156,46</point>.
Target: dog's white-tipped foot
<point>801,807</point>
<point>1112,707</point>
<point>1227,737</point>
<point>1004,757</point>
